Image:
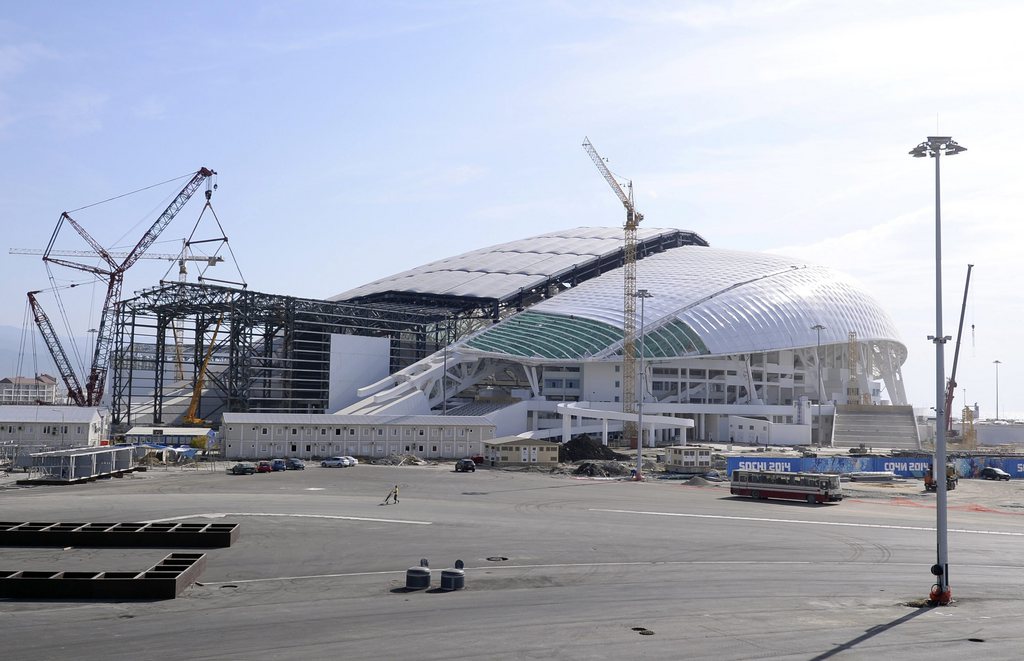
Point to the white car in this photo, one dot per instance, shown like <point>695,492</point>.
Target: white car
<point>335,462</point>
<point>352,460</point>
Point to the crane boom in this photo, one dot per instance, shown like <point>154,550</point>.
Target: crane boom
<point>168,215</point>
<point>97,248</point>
<point>951,383</point>
<point>633,218</point>
<point>95,383</point>
<point>56,350</point>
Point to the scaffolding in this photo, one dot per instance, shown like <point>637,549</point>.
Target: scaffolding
<point>272,354</point>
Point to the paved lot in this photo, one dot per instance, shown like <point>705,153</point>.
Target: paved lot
<point>556,568</point>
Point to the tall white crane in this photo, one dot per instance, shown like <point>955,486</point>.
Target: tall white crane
<point>633,218</point>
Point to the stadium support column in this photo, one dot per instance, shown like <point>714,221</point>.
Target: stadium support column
<point>940,594</point>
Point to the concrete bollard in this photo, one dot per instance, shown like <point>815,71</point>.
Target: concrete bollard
<point>452,579</point>
<point>417,578</point>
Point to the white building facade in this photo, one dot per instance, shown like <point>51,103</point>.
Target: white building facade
<point>262,436</point>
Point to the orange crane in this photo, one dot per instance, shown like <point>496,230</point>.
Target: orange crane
<point>633,218</point>
<point>113,273</point>
<point>191,415</point>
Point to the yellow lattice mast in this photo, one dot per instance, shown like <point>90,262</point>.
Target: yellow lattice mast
<point>633,218</point>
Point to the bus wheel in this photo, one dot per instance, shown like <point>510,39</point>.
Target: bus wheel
<point>755,495</point>
<point>810,499</point>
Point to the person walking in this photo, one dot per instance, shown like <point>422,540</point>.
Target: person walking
<point>392,494</point>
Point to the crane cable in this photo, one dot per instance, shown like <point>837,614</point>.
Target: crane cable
<point>118,197</point>
<point>64,319</point>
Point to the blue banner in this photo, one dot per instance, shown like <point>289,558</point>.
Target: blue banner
<point>902,466</point>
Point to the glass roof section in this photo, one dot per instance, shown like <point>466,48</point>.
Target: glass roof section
<point>706,301</point>
<point>548,336</point>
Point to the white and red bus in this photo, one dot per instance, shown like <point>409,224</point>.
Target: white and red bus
<point>812,487</point>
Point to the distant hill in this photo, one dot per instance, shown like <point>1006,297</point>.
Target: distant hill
<point>10,349</point>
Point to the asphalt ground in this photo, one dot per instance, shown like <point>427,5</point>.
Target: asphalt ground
<point>556,568</point>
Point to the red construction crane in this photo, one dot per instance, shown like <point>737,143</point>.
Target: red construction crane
<point>113,274</point>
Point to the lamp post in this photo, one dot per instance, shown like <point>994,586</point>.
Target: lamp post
<point>935,147</point>
<point>821,388</point>
<point>997,363</point>
<point>444,373</point>
<point>642,294</point>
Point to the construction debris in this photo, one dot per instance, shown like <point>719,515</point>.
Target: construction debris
<point>587,449</point>
<point>400,460</point>
<point>601,469</point>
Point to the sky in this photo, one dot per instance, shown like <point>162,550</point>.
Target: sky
<point>353,140</point>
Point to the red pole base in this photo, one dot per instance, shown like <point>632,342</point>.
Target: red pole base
<point>940,597</point>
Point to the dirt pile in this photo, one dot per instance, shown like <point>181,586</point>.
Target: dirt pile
<point>587,449</point>
<point>601,469</point>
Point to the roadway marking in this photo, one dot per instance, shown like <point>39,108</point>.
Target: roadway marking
<point>813,523</point>
<point>221,515</point>
<point>588,565</point>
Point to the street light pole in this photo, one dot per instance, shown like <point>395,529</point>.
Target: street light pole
<point>821,388</point>
<point>997,363</point>
<point>643,295</point>
<point>444,373</point>
<point>941,594</point>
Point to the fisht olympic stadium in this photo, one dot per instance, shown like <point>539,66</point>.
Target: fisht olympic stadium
<point>525,339</point>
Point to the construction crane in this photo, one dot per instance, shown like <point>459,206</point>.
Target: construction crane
<point>169,257</point>
<point>633,218</point>
<point>113,273</point>
<point>191,416</point>
<point>182,258</point>
<point>951,382</point>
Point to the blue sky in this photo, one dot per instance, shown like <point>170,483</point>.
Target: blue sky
<point>358,139</point>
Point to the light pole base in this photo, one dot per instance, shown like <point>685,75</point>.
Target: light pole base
<point>940,597</point>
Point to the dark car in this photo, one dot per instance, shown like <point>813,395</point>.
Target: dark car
<point>465,465</point>
<point>243,468</point>
<point>264,467</point>
<point>991,473</point>
<point>295,464</point>
<point>278,465</point>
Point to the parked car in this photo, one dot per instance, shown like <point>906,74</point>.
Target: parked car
<point>278,465</point>
<point>243,468</point>
<point>352,461</point>
<point>992,473</point>
<point>264,467</point>
<point>335,462</point>
<point>295,464</point>
<point>465,465</point>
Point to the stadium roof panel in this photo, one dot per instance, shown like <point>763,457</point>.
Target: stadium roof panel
<point>705,302</point>
<point>504,271</point>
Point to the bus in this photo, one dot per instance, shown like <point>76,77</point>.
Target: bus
<point>812,487</point>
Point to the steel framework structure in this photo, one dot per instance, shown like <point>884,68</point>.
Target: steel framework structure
<point>272,353</point>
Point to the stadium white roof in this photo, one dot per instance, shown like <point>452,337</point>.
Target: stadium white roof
<point>499,272</point>
<point>705,301</point>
